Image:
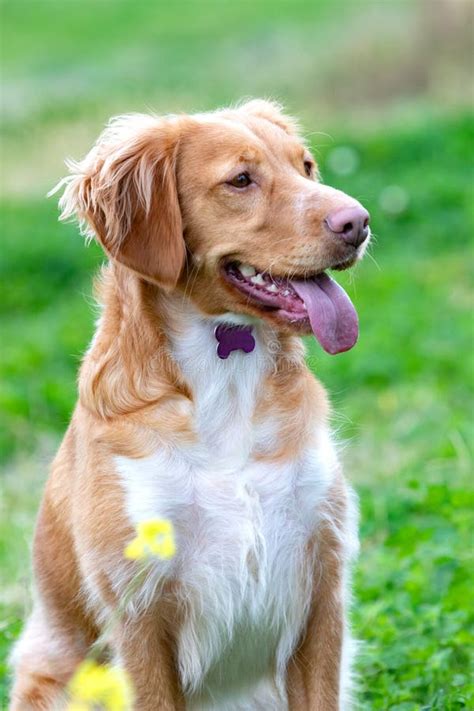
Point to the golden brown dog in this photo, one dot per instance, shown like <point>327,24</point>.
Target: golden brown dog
<point>195,405</point>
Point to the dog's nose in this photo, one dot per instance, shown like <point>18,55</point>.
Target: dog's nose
<point>352,223</point>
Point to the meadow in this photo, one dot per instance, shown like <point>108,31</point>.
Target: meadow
<point>402,398</point>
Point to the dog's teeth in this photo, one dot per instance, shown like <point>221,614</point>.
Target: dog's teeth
<point>272,287</point>
<point>246,270</point>
<point>287,292</point>
<point>258,279</point>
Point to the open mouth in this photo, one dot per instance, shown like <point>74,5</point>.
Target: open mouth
<point>317,301</point>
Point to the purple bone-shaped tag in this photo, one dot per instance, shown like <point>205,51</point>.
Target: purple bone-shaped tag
<point>233,338</point>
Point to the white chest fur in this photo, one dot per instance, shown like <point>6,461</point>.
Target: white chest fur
<point>242,526</point>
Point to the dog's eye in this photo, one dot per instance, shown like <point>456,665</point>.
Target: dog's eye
<point>308,168</point>
<point>242,180</point>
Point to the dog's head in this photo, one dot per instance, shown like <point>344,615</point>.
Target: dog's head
<point>227,208</point>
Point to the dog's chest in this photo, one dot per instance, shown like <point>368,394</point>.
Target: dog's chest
<point>242,557</point>
<point>242,525</point>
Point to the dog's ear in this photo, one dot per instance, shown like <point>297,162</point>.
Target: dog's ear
<point>273,112</point>
<point>124,193</point>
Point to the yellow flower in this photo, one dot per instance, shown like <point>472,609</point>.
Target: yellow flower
<point>99,686</point>
<point>154,537</point>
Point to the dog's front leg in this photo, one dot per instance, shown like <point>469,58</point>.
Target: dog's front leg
<point>319,671</point>
<point>146,652</point>
<point>314,673</point>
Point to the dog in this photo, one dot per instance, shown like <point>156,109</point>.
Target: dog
<point>196,406</point>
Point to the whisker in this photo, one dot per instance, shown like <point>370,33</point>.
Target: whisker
<point>372,258</point>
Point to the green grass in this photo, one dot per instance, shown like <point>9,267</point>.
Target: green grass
<point>407,392</point>
<point>402,398</point>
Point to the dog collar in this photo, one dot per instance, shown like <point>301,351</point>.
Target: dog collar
<point>233,338</point>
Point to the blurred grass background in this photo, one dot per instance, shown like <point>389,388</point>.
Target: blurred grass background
<point>384,90</point>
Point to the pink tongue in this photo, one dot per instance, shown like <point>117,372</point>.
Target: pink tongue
<point>332,316</point>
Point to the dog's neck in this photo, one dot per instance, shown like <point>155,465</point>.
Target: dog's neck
<point>225,392</point>
<point>153,348</point>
